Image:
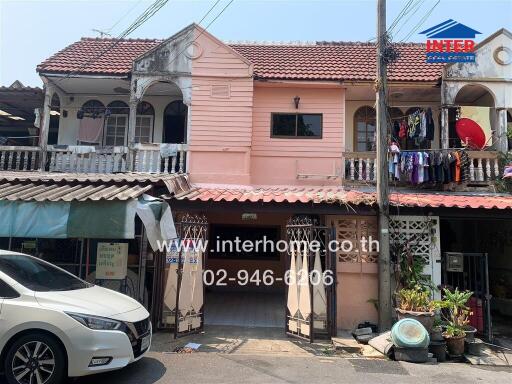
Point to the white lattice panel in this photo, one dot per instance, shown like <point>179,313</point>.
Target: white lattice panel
<point>422,234</point>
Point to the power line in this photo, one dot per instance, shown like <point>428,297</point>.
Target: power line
<point>140,20</point>
<point>414,8</point>
<point>421,22</point>
<point>124,16</point>
<point>399,16</point>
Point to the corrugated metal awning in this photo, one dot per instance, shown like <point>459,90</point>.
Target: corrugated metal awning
<point>176,183</point>
<point>49,191</point>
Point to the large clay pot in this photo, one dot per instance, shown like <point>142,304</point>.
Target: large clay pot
<point>455,345</point>
<point>425,318</point>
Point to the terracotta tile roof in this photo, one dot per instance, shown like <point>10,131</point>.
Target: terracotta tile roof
<point>434,200</point>
<point>117,60</point>
<point>317,61</point>
<point>318,195</point>
<point>274,194</point>
<point>336,61</point>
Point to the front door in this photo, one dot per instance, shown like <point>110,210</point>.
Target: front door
<point>310,280</point>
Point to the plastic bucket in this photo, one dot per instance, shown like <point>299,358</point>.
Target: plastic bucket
<point>409,333</point>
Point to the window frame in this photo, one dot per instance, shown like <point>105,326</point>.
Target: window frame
<point>151,122</point>
<point>366,121</point>
<point>125,135</point>
<point>320,137</point>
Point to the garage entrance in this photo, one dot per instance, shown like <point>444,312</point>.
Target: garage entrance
<point>244,271</point>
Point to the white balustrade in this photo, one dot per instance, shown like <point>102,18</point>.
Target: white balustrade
<point>19,158</point>
<point>360,167</point>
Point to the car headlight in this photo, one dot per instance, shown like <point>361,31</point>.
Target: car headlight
<point>96,322</point>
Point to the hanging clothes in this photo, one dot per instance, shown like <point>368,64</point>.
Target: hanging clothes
<point>403,130</point>
<point>429,134</point>
<point>90,130</point>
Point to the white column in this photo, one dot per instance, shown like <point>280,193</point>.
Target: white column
<point>501,130</point>
<point>445,130</point>
<point>132,120</point>
<point>45,127</point>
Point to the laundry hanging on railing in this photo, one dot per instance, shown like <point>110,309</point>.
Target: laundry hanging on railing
<point>431,166</point>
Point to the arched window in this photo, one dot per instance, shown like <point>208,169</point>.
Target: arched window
<point>116,123</point>
<point>93,107</point>
<point>364,123</point>
<point>144,122</point>
<point>175,122</point>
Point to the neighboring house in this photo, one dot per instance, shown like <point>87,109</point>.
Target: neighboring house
<point>265,134</point>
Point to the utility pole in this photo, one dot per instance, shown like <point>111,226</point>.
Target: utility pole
<point>383,173</point>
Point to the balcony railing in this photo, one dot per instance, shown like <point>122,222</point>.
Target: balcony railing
<point>360,167</point>
<point>144,158</point>
<point>19,158</point>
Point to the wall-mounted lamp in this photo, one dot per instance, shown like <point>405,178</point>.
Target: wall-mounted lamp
<point>296,101</point>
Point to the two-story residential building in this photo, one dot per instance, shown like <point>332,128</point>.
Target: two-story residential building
<point>273,140</point>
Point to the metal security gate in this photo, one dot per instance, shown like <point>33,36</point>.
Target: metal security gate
<point>183,292</point>
<point>310,280</point>
<point>469,271</point>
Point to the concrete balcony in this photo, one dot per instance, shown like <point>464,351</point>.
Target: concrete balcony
<point>360,169</point>
<point>141,158</point>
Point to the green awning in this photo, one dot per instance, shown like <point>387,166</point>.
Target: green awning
<point>61,219</point>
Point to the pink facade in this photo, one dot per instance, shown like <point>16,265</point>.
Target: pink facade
<point>230,128</point>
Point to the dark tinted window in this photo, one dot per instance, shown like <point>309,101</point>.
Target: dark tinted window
<point>38,275</point>
<point>309,125</point>
<point>283,125</point>
<point>303,125</point>
<point>6,292</point>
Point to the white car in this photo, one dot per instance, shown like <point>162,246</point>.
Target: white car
<point>54,325</point>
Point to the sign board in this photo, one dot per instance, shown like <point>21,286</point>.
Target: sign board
<point>111,261</point>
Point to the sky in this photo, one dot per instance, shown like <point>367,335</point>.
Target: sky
<point>31,31</point>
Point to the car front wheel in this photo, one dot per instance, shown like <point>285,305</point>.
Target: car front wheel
<point>35,359</point>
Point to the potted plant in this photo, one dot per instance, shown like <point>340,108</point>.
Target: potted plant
<point>416,303</point>
<point>456,314</point>
<point>437,330</point>
<point>454,336</point>
<point>509,137</point>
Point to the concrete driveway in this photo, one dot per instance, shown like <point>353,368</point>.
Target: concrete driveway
<point>265,355</point>
<point>213,368</point>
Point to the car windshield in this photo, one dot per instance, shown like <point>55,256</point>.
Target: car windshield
<point>38,275</point>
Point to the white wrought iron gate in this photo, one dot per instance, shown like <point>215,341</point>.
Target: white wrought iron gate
<point>310,280</point>
<point>183,295</point>
<point>421,233</point>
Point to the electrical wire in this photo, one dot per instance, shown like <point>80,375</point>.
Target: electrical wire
<point>140,20</point>
<point>402,13</point>
<point>124,16</point>
<point>421,22</point>
<point>414,8</point>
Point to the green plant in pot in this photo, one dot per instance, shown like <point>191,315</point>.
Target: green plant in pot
<point>416,303</point>
<point>509,137</point>
<point>437,330</point>
<point>456,313</point>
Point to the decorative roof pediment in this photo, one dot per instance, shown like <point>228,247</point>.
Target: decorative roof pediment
<point>493,60</point>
